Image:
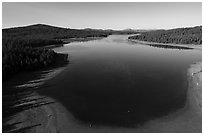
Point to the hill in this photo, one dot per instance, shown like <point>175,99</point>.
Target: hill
<point>41,35</point>
<point>23,47</point>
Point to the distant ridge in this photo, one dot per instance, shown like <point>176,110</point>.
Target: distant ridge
<point>25,48</point>
<point>34,26</point>
<point>42,27</point>
<point>43,31</point>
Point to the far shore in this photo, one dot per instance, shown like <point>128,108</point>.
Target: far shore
<point>70,40</point>
<point>198,47</point>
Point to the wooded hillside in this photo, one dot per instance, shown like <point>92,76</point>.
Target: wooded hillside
<point>191,35</point>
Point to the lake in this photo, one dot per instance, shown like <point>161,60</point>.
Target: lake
<point>116,82</point>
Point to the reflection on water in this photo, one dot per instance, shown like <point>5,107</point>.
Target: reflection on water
<point>169,46</point>
<point>114,83</point>
<point>165,46</point>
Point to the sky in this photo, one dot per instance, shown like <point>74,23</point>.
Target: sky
<point>118,15</point>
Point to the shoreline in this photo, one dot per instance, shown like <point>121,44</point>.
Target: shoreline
<point>197,47</point>
<point>55,118</point>
<point>49,48</point>
<point>72,40</point>
<point>195,85</point>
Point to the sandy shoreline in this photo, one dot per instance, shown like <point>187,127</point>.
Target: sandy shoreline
<point>198,47</point>
<point>55,118</point>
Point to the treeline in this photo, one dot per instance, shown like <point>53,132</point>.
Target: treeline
<point>121,32</point>
<point>192,35</point>
<point>40,35</point>
<point>25,58</point>
<point>22,47</point>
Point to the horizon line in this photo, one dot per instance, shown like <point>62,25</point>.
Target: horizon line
<point>97,28</point>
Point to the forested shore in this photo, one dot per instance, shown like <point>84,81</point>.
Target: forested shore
<point>23,48</point>
<point>26,49</point>
<point>191,35</point>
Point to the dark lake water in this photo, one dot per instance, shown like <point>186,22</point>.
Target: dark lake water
<point>116,82</point>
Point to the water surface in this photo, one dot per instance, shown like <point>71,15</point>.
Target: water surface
<point>115,82</point>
